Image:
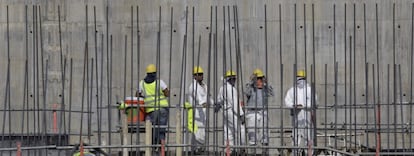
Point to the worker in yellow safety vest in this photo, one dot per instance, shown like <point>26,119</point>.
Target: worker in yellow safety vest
<point>199,98</point>
<point>155,93</point>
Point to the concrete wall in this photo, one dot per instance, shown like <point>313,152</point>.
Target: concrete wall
<point>313,34</point>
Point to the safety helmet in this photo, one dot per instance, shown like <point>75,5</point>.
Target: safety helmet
<point>258,72</point>
<point>151,68</point>
<point>301,73</point>
<point>198,70</point>
<point>230,73</point>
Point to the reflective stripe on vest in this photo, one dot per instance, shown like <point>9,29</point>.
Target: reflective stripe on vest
<point>150,97</point>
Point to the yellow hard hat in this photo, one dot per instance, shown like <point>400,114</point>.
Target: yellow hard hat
<point>301,73</point>
<point>258,72</point>
<point>151,68</point>
<point>230,73</point>
<point>198,70</point>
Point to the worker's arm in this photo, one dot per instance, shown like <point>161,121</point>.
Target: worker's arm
<point>309,98</point>
<point>249,89</point>
<point>166,92</point>
<point>164,88</point>
<point>138,94</point>
<point>269,90</point>
<point>289,99</point>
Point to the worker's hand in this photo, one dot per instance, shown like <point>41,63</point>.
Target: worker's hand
<point>253,77</point>
<point>188,105</point>
<point>217,107</point>
<point>299,106</point>
<point>121,106</point>
<point>242,119</point>
<point>204,105</point>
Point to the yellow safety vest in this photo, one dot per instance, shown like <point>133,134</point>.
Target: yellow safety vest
<point>84,153</point>
<point>190,117</point>
<point>150,97</point>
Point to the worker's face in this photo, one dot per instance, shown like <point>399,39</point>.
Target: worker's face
<point>232,80</point>
<point>300,82</point>
<point>259,82</point>
<point>198,77</point>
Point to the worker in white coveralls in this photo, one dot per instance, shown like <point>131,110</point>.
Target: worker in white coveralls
<point>299,98</point>
<point>233,113</point>
<point>199,99</point>
<point>257,92</point>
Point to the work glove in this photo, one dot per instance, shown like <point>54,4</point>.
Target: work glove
<point>242,119</point>
<point>121,106</point>
<point>217,108</point>
<point>188,105</point>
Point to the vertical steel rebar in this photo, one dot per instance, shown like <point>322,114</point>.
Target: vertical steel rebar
<point>388,108</point>
<point>378,143</point>
<point>264,125</point>
<point>295,126</point>
<point>138,74</point>
<point>411,74</point>
<point>26,90</point>
<point>88,78</point>
<point>335,76</point>
<point>326,105</point>
<point>209,104</point>
<point>70,96</point>
<point>183,67</point>
<point>159,71</point>
<point>24,102</point>
<point>62,66</point>
<point>401,107</point>
<point>101,92</point>
<point>238,52</point>
<point>109,66</point>
<point>336,101</point>
<point>132,73</point>
<point>366,76</point>
<point>216,82</point>
<point>282,131</point>
<point>108,38</point>
<point>44,74</point>
<point>314,105</point>
<point>83,91</point>
<point>98,82</point>
<point>354,81</point>
<point>375,100</point>
<point>350,92</point>
<point>62,107</point>
<point>44,103</point>
<point>40,133</point>
<point>345,81</point>
<point>394,74</point>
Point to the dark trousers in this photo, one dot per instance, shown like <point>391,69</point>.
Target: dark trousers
<point>159,119</point>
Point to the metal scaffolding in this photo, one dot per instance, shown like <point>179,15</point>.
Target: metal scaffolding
<point>361,103</point>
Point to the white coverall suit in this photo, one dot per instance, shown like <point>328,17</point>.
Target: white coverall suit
<point>301,118</point>
<point>228,96</point>
<point>198,96</point>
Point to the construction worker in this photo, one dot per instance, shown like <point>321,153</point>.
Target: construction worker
<point>233,112</point>
<point>199,99</point>
<point>155,93</point>
<point>257,92</point>
<point>299,99</point>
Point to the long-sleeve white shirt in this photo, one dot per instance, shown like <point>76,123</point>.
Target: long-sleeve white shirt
<point>228,95</point>
<point>197,94</point>
<point>303,97</point>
